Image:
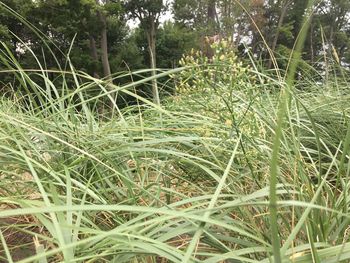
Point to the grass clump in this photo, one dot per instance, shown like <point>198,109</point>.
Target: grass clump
<point>187,181</point>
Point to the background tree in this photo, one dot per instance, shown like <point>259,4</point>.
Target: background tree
<point>201,16</point>
<point>11,27</point>
<point>148,13</point>
<point>90,21</point>
<point>104,43</point>
<point>276,13</point>
<point>172,42</point>
<point>334,16</point>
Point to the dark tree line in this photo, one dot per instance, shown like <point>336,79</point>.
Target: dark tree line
<point>104,43</point>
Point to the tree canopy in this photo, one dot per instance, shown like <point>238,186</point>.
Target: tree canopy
<point>105,44</point>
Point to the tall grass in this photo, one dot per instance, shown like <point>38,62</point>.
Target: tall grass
<point>186,181</point>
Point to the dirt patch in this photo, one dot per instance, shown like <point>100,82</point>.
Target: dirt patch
<point>18,240</point>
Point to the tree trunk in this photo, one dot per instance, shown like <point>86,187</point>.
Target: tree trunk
<point>312,55</point>
<point>104,56</point>
<point>93,53</point>
<point>212,15</point>
<point>280,23</point>
<point>329,51</point>
<point>151,39</point>
<point>104,47</point>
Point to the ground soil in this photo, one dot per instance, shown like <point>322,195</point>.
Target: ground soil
<point>20,244</point>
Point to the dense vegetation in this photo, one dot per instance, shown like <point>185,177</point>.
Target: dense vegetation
<point>103,42</point>
<point>243,158</point>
